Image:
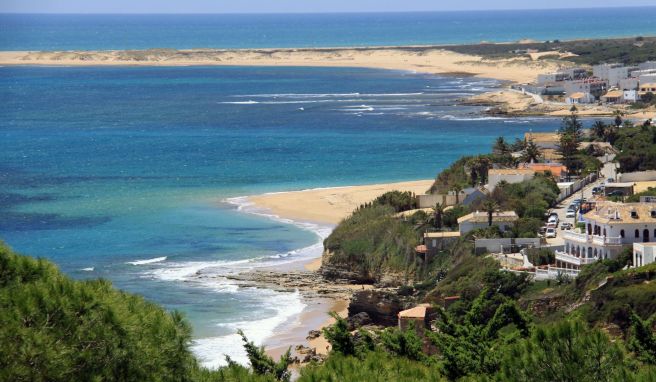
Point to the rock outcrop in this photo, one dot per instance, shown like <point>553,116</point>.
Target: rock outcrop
<point>381,305</point>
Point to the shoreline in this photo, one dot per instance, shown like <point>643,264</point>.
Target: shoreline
<point>436,60</point>
<point>309,209</point>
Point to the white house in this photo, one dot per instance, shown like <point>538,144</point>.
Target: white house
<point>479,219</point>
<point>509,175</point>
<point>643,254</point>
<point>579,98</point>
<point>609,228</point>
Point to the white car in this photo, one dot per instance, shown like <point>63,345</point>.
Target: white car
<point>553,219</point>
<point>550,233</point>
<point>570,214</point>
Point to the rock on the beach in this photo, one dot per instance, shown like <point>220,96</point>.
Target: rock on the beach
<point>312,334</point>
<point>358,320</point>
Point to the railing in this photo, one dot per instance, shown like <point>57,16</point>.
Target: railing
<point>562,256</point>
<point>575,236</point>
<point>606,240</point>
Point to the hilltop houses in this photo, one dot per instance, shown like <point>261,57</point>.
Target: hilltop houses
<point>610,227</point>
<point>480,219</point>
<point>611,83</point>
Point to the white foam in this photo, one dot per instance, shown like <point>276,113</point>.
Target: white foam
<point>241,102</point>
<point>89,269</point>
<point>147,261</point>
<point>211,351</point>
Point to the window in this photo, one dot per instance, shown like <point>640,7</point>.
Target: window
<point>622,234</point>
<point>634,214</point>
<point>637,233</point>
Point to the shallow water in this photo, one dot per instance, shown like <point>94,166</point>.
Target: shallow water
<point>135,174</point>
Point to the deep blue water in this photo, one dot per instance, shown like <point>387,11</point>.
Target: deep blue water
<point>66,32</point>
<point>102,168</point>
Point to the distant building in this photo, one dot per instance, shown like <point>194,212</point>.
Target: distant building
<point>508,175</point>
<point>647,78</point>
<point>577,98</point>
<point>419,318</point>
<point>479,219</point>
<point>592,86</point>
<point>435,242</point>
<point>613,96</point>
<point>643,254</point>
<point>630,83</point>
<point>647,65</point>
<point>602,70</point>
<point>630,95</point>
<point>647,88</point>
<point>618,189</point>
<point>557,170</point>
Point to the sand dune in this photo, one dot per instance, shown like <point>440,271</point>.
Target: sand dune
<point>420,59</point>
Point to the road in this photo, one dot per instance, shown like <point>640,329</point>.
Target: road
<point>608,171</point>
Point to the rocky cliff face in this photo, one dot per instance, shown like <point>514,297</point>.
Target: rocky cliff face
<point>347,273</point>
<point>382,305</point>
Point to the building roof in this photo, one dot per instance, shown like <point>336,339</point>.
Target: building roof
<point>437,235</point>
<point>418,311</point>
<point>542,137</point>
<point>556,169</point>
<point>649,85</point>
<point>614,94</point>
<point>510,171</point>
<point>481,217</point>
<point>620,213</point>
<point>576,95</point>
<point>551,154</point>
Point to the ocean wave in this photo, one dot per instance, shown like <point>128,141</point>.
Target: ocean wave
<point>147,261</point>
<point>454,118</point>
<point>240,102</point>
<point>211,351</point>
<point>89,269</point>
<point>325,95</point>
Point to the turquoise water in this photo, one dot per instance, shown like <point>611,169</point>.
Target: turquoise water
<point>135,174</point>
<point>50,32</point>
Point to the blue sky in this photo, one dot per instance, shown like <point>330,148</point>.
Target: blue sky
<point>284,6</point>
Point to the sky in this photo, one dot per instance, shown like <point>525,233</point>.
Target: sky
<point>291,6</point>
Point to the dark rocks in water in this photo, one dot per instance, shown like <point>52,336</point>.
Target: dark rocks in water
<point>381,305</point>
<point>358,320</point>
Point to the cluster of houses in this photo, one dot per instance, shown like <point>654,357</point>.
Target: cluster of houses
<point>609,227</point>
<point>607,83</point>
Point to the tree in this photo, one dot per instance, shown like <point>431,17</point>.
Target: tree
<point>570,138</point>
<point>501,146</point>
<point>642,340</point>
<point>404,343</point>
<point>262,364</point>
<point>490,206</point>
<point>339,336</point>
<point>567,351</point>
<point>599,130</point>
<point>618,117</point>
<point>438,211</point>
<point>531,152</point>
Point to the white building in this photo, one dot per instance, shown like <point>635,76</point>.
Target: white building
<point>579,98</point>
<point>630,95</point>
<point>479,219</point>
<point>643,254</point>
<point>508,175</point>
<point>609,228</point>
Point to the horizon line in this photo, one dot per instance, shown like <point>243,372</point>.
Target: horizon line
<point>330,12</point>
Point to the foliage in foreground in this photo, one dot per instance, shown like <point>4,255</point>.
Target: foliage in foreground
<point>56,329</point>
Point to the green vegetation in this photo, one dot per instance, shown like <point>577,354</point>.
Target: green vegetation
<point>637,148</point>
<point>373,240</point>
<point>529,199</point>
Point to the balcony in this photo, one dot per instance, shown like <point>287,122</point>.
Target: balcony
<point>599,241</point>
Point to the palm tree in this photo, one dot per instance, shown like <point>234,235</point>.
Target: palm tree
<point>599,129</point>
<point>457,188</point>
<point>500,146</point>
<point>618,117</point>
<point>438,210</point>
<point>490,206</point>
<point>531,152</point>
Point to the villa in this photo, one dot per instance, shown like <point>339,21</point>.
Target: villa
<point>543,140</point>
<point>643,254</point>
<point>609,228</point>
<point>479,219</point>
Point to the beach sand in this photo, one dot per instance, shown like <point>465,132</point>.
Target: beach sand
<point>435,60</point>
<point>330,205</point>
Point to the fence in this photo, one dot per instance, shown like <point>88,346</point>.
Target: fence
<point>576,186</point>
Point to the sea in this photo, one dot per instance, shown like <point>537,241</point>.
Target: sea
<point>139,174</point>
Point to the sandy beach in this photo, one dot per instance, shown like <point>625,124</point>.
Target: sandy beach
<point>330,205</point>
<point>435,60</point>
<point>327,206</point>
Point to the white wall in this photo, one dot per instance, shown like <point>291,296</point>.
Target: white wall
<point>638,176</point>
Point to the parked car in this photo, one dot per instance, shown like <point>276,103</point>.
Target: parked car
<point>616,193</point>
<point>610,180</point>
<point>542,230</point>
<point>550,233</point>
<point>570,214</point>
<point>553,218</point>
<point>597,190</point>
<point>566,226</point>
